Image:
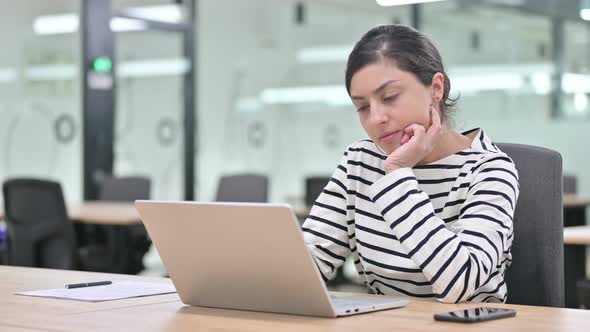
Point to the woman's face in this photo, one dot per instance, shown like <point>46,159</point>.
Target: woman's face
<point>388,100</point>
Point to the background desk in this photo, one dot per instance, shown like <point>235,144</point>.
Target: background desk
<point>574,220</point>
<point>577,235</point>
<point>101,212</point>
<point>115,218</point>
<point>105,213</point>
<point>576,239</point>
<point>167,313</point>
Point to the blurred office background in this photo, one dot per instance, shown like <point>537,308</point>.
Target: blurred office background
<point>269,86</point>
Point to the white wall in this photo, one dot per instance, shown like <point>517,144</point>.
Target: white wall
<point>28,110</point>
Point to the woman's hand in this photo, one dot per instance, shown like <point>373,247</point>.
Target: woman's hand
<point>416,144</point>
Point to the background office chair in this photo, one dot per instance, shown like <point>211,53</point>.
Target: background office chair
<point>570,184</point>
<point>313,188</point>
<point>243,188</point>
<point>124,189</point>
<point>102,250</point>
<point>40,234</point>
<point>536,276</point>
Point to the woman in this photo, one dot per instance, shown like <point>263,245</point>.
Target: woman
<point>424,211</point>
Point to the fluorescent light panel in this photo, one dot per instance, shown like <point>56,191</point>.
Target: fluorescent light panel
<point>55,24</point>
<point>387,3</point>
<point>8,75</point>
<point>580,102</point>
<point>120,24</point>
<point>575,83</point>
<point>159,67</point>
<point>330,94</point>
<point>69,23</point>
<point>50,73</point>
<point>585,14</point>
<point>170,13</point>
<point>142,68</point>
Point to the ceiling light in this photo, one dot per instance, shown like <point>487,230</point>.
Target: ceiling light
<point>580,102</point>
<point>170,13</point>
<point>55,24</point>
<point>7,75</point>
<point>330,94</point>
<point>386,3</point>
<point>120,24</point>
<point>156,67</point>
<point>69,23</point>
<point>138,68</point>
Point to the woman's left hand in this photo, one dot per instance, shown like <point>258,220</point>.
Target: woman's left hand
<point>416,144</point>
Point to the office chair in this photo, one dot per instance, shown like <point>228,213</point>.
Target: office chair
<point>536,275</point>
<point>40,234</point>
<point>103,252</point>
<point>124,189</point>
<point>313,188</point>
<point>570,184</point>
<point>243,188</point>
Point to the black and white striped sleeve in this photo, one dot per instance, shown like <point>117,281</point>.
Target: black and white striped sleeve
<point>325,230</point>
<point>460,260</point>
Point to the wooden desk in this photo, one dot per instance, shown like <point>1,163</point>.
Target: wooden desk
<point>17,279</point>
<point>114,217</point>
<point>574,215</point>
<point>574,200</point>
<point>101,212</point>
<point>576,235</point>
<point>167,313</point>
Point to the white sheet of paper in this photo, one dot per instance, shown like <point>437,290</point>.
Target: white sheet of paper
<point>115,291</point>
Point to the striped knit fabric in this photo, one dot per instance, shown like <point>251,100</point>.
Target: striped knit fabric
<point>441,230</point>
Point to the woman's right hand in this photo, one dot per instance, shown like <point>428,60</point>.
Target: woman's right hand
<point>416,143</point>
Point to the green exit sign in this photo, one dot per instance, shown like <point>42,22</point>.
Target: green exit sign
<point>102,64</point>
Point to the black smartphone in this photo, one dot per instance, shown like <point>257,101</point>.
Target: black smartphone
<point>475,315</point>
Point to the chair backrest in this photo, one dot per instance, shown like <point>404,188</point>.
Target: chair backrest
<point>124,189</point>
<point>570,184</point>
<point>243,188</point>
<point>536,275</point>
<point>313,188</point>
<point>40,232</point>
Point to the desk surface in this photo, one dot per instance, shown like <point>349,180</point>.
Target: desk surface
<point>19,279</point>
<point>577,235</point>
<point>573,200</point>
<point>167,313</point>
<point>102,212</point>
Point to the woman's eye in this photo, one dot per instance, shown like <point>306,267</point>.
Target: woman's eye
<point>390,98</point>
<point>362,108</point>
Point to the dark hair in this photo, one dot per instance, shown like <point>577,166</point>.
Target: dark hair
<point>409,49</point>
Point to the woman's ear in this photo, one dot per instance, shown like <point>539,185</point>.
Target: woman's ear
<point>438,86</point>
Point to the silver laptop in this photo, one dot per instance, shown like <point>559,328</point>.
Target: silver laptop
<point>245,256</point>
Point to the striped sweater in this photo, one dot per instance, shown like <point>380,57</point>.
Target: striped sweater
<point>441,230</point>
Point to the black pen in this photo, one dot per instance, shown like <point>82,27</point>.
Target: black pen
<point>88,284</point>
